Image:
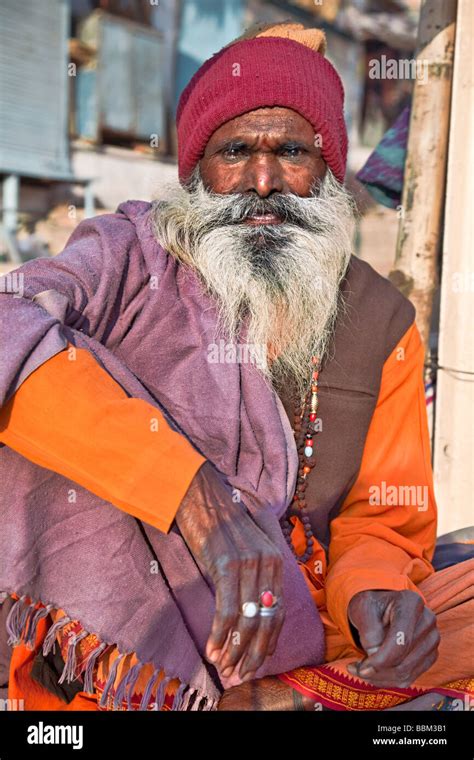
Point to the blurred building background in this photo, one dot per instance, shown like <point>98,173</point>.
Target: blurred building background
<point>89,88</point>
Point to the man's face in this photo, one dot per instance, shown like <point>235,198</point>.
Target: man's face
<point>267,151</point>
<point>269,230</point>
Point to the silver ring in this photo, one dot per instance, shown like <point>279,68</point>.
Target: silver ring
<point>268,611</point>
<point>250,609</point>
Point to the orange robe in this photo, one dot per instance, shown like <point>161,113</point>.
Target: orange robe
<point>71,417</point>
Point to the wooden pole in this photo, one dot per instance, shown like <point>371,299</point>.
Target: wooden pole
<point>454,421</point>
<point>415,271</point>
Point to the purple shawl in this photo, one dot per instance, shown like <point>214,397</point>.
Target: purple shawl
<point>115,292</point>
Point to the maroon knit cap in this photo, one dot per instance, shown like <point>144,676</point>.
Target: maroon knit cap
<point>258,73</point>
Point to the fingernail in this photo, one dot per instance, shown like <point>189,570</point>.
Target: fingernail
<point>366,671</point>
<point>214,656</point>
<point>226,673</point>
<point>372,650</point>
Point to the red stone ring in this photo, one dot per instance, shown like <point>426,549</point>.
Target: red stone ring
<point>268,603</point>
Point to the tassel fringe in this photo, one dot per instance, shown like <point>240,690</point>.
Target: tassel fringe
<point>13,622</point>
<point>32,627</point>
<point>178,697</point>
<point>161,693</point>
<point>132,683</point>
<point>22,624</point>
<point>69,670</point>
<point>110,680</point>
<point>148,688</point>
<point>89,668</point>
<point>121,688</point>
<point>50,640</point>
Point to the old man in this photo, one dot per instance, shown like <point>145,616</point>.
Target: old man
<point>216,481</point>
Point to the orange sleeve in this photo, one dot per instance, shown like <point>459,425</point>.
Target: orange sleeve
<point>385,534</point>
<point>71,417</point>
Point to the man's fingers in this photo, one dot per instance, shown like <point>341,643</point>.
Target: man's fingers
<point>417,661</point>
<point>420,659</point>
<point>217,654</point>
<point>244,628</point>
<point>224,621</point>
<point>240,636</point>
<point>408,623</point>
<point>258,648</point>
<point>257,573</point>
<point>227,606</point>
<point>274,634</point>
<point>270,578</point>
<point>367,616</point>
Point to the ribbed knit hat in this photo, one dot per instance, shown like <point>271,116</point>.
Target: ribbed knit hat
<point>288,71</point>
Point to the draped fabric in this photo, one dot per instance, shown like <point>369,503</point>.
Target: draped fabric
<point>82,554</point>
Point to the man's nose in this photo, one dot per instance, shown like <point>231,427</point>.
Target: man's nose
<point>263,176</point>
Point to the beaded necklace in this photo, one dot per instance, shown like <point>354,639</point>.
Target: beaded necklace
<point>304,429</point>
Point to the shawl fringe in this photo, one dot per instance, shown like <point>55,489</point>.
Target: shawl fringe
<point>22,624</point>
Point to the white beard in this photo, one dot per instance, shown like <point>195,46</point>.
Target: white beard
<point>283,279</point>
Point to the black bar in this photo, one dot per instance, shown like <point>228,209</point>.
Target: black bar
<point>319,735</point>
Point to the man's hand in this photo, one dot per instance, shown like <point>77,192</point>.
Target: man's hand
<point>398,633</point>
<point>241,562</point>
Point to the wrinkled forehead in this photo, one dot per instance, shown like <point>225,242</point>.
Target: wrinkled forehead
<point>272,124</point>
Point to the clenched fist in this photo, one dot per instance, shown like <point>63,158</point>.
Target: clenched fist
<point>398,633</point>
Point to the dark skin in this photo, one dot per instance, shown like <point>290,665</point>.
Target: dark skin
<point>398,633</point>
<point>241,562</point>
<point>270,150</point>
<point>266,151</point>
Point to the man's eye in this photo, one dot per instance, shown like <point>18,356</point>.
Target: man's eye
<point>233,152</point>
<point>292,152</point>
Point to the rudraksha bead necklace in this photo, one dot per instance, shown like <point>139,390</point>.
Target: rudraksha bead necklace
<point>304,429</point>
